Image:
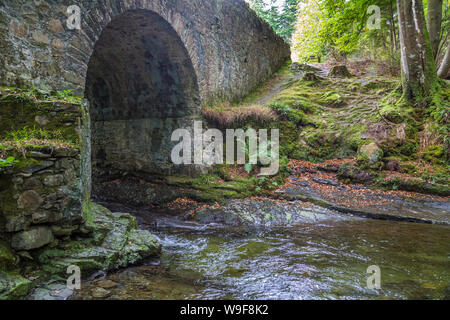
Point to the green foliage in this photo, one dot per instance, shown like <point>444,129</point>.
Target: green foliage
<point>439,110</point>
<point>308,37</point>
<point>27,133</point>
<point>64,94</point>
<point>434,154</point>
<point>8,162</point>
<point>339,27</point>
<point>34,93</point>
<point>253,158</point>
<point>395,108</point>
<point>281,19</point>
<point>67,95</point>
<point>205,178</point>
<point>415,185</point>
<point>287,113</point>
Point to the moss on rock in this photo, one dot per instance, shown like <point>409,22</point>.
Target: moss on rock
<point>115,242</point>
<point>8,260</point>
<point>26,116</point>
<point>416,185</point>
<point>13,286</point>
<point>434,154</point>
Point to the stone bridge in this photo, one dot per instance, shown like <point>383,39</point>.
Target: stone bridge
<point>145,66</point>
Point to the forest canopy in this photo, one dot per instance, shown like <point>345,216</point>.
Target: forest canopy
<point>338,29</point>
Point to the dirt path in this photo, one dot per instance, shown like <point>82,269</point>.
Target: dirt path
<point>276,89</point>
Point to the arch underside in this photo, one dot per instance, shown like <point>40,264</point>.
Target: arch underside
<point>141,86</point>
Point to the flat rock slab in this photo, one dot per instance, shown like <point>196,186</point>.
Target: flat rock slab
<point>361,201</point>
<point>265,212</point>
<point>57,291</point>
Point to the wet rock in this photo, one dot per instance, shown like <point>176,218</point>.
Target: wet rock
<point>40,37</point>
<point>106,284</point>
<point>19,29</point>
<point>115,242</point>
<point>29,201</point>
<point>263,212</point>
<point>326,182</point>
<point>297,182</point>
<point>55,26</point>
<point>329,168</point>
<point>32,239</point>
<point>417,185</point>
<point>100,293</point>
<point>52,291</point>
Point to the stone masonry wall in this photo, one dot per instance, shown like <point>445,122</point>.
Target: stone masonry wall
<point>47,222</point>
<point>42,202</point>
<point>40,196</point>
<point>232,50</point>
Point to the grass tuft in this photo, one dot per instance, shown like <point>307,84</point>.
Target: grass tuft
<point>226,116</point>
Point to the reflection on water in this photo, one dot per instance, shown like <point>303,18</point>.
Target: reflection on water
<point>326,260</point>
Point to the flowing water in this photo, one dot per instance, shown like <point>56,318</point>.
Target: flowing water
<point>323,260</point>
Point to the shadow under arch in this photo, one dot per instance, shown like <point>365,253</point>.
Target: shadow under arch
<point>140,86</point>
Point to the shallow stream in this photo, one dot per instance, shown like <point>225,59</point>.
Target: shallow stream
<point>327,259</point>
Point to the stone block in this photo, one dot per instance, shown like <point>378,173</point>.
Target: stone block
<point>32,239</point>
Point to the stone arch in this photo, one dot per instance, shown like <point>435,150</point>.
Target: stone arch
<point>231,49</point>
<point>140,86</point>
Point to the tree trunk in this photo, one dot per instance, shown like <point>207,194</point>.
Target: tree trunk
<point>393,28</point>
<point>418,67</point>
<point>434,21</point>
<point>445,64</point>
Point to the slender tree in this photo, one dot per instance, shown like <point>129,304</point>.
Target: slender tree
<point>419,74</point>
<point>445,64</point>
<point>434,22</point>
